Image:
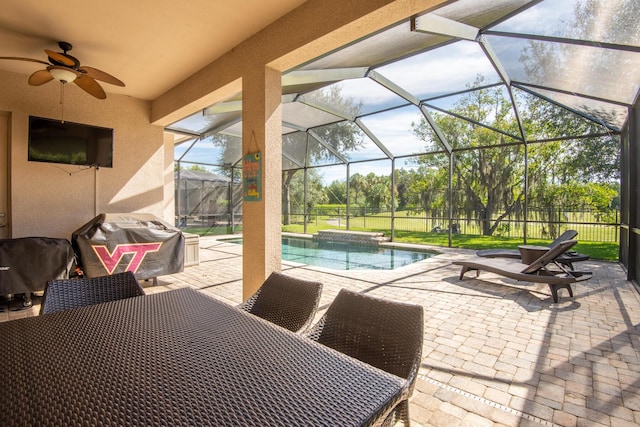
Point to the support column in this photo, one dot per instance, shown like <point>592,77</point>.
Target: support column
<point>261,221</point>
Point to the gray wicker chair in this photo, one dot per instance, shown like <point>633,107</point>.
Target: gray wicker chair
<point>65,294</point>
<point>385,334</point>
<point>286,301</point>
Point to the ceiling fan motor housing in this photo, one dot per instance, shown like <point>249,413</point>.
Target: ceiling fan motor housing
<point>65,46</point>
<point>62,59</point>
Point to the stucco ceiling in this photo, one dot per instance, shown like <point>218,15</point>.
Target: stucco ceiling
<point>151,45</point>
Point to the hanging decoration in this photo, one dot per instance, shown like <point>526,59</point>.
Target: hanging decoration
<point>252,177</point>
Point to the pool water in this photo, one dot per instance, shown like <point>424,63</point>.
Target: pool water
<point>347,256</point>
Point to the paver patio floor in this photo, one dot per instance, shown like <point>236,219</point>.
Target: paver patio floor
<point>496,353</point>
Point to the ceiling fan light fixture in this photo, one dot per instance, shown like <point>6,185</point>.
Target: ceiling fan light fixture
<point>62,74</point>
<point>64,68</point>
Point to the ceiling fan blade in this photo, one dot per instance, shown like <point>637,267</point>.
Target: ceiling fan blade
<point>61,58</point>
<point>15,58</point>
<point>101,75</point>
<point>40,77</point>
<point>90,86</point>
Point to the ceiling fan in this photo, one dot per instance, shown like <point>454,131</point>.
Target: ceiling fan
<point>66,69</point>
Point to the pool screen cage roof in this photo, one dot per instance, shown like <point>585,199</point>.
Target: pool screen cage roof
<point>580,56</point>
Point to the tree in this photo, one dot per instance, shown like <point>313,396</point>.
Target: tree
<point>342,136</point>
<point>378,191</point>
<point>403,179</point>
<point>488,172</point>
<point>429,188</point>
<point>487,181</point>
<point>197,168</point>
<point>336,193</point>
<point>230,149</point>
<point>315,191</point>
<point>569,157</point>
<point>357,184</point>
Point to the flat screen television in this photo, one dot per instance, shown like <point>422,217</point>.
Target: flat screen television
<point>71,143</point>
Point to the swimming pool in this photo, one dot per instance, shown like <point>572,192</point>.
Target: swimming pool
<point>346,256</point>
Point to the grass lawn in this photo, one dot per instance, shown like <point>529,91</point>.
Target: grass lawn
<point>211,231</point>
<point>597,250</point>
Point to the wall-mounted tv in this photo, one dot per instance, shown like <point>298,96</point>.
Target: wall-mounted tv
<point>70,143</point>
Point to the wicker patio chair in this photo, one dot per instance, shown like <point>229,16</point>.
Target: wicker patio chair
<point>385,334</point>
<point>65,294</point>
<point>286,301</point>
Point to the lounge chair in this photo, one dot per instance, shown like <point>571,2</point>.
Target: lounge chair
<point>546,269</point>
<point>567,258</point>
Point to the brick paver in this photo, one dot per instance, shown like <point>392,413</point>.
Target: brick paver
<point>496,352</point>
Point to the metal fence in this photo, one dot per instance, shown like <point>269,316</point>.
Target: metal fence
<point>541,224</point>
<point>201,207</point>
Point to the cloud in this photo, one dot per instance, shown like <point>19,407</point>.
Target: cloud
<point>446,69</point>
<point>546,18</point>
<point>394,129</point>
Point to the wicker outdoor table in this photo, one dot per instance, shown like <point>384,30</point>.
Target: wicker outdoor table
<point>180,358</point>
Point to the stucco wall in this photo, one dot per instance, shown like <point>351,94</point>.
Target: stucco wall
<point>53,200</point>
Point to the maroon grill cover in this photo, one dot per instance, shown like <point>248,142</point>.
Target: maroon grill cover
<point>117,242</point>
<point>28,263</point>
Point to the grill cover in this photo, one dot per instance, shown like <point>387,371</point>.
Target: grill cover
<point>28,263</point>
<point>117,242</point>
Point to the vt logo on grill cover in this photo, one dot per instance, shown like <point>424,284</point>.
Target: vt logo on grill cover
<point>111,260</point>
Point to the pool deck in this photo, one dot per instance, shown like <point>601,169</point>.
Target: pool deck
<point>496,353</point>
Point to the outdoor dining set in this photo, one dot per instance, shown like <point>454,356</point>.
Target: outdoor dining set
<point>104,353</point>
